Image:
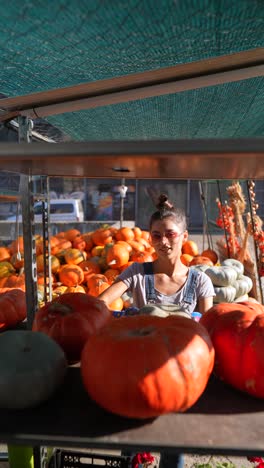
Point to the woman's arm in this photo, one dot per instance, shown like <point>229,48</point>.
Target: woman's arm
<point>113,292</point>
<point>204,304</point>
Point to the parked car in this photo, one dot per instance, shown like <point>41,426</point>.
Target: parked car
<point>67,210</point>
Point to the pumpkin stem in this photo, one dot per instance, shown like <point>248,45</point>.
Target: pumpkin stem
<point>142,331</point>
<point>61,309</point>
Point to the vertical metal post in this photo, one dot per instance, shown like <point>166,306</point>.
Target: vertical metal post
<point>27,203</point>
<point>28,228</point>
<point>46,238</point>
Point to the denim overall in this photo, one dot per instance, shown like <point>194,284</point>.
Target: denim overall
<point>170,308</point>
<point>170,460</point>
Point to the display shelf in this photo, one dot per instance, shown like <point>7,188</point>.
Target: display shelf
<point>223,421</point>
<point>177,159</point>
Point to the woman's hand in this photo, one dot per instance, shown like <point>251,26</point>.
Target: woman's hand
<point>113,292</point>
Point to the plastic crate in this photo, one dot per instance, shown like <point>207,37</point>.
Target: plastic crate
<point>72,459</point>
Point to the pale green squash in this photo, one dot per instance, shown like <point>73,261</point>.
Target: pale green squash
<point>31,368</point>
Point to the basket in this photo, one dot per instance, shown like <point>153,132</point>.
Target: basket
<point>72,459</point>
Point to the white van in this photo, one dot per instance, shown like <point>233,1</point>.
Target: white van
<point>66,210</point>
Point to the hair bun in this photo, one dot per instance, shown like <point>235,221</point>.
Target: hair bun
<point>164,203</point>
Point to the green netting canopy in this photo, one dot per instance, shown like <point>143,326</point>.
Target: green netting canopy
<point>49,45</point>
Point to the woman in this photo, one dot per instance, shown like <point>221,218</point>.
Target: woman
<point>166,281</point>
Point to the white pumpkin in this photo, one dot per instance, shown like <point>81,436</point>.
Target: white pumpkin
<point>221,275</point>
<point>243,285</point>
<point>224,294</point>
<point>236,264</point>
<point>31,368</point>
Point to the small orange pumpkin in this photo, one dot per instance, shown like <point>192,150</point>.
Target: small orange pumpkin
<point>125,234</point>
<point>117,256</point>
<point>5,254</point>
<point>71,275</point>
<point>102,236</point>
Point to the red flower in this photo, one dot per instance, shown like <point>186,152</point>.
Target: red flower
<point>144,458</point>
<point>258,460</point>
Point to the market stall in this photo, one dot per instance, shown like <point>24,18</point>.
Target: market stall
<point>154,90</point>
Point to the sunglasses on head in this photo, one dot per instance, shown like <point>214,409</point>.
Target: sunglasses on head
<point>170,235</point>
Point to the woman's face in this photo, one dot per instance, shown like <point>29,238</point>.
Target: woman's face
<point>167,237</point>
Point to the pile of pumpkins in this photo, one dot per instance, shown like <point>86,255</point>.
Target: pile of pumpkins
<point>141,366</point>
<point>90,262</point>
<point>159,365</point>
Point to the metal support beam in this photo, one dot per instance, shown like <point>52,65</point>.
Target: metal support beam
<point>179,78</point>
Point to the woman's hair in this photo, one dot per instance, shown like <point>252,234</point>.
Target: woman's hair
<point>165,209</point>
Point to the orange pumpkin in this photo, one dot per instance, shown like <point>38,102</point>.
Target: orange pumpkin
<point>5,254</point>
<point>111,274</point>
<point>102,236</point>
<point>71,275</point>
<point>97,284</point>
<point>14,281</point>
<point>125,244</point>
<point>125,234</point>
<point>17,245</point>
<point>141,257</point>
<point>210,254</point>
<point>89,268</point>
<point>159,365</point>
<point>190,247</point>
<point>88,241</point>
<point>137,233</point>
<point>237,333</point>
<point>186,259</point>
<point>71,234</point>
<point>79,243</point>
<point>117,256</point>
<point>200,260</point>
<point>70,320</point>
<point>63,245</point>
<point>136,246</point>
<point>117,304</point>
<point>145,235</point>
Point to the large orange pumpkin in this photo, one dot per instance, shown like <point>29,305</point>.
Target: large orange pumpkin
<point>237,333</point>
<point>70,320</point>
<point>158,365</point>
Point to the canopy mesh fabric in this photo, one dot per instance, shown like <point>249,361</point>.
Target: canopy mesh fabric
<point>231,110</point>
<point>52,44</point>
